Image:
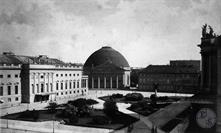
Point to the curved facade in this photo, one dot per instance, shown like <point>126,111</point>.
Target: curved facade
<point>107,69</point>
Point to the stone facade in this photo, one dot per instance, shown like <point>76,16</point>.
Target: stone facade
<point>10,83</point>
<point>175,77</point>
<point>37,79</point>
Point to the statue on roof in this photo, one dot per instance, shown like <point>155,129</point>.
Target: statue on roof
<point>209,34</point>
<point>204,30</point>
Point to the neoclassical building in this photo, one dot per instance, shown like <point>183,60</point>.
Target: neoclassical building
<point>180,76</point>
<point>107,69</point>
<point>31,79</point>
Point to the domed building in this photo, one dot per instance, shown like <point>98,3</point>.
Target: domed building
<point>107,69</point>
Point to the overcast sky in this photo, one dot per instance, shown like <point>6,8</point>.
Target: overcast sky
<point>144,31</point>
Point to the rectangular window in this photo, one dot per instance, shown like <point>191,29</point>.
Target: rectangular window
<point>16,89</point>
<point>51,87</point>
<point>56,75</point>
<point>70,85</point>
<point>42,87</point>
<point>69,74</point>
<point>78,84</point>
<point>42,76</point>
<point>47,87</point>
<point>61,93</point>
<point>66,75</point>
<point>66,85</point>
<point>1,76</point>
<point>16,99</point>
<point>74,84</point>
<point>33,88</point>
<point>9,100</point>
<point>9,76</point>
<point>9,90</point>
<point>61,75</point>
<point>56,86</point>
<point>1,90</point>
<point>61,86</point>
<point>16,75</point>
<point>37,88</point>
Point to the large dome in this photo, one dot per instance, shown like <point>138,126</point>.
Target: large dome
<point>104,55</point>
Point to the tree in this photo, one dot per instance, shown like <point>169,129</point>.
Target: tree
<point>52,107</point>
<point>110,108</point>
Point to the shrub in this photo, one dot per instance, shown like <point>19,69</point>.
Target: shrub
<point>110,108</point>
<point>35,114</point>
<point>26,114</point>
<point>164,98</point>
<point>83,111</point>
<point>134,97</point>
<point>52,107</point>
<point>73,118</point>
<point>117,95</point>
<point>91,101</point>
<point>78,103</point>
<point>100,120</point>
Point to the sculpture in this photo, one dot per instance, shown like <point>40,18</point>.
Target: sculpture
<point>205,34</point>
<point>204,30</point>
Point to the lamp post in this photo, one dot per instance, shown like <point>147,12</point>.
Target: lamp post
<point>7,121</point>
<point>52,123</point>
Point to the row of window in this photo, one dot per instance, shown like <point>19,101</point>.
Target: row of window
<point>65,85</point>
<point>9,90</point>
<point>9,75</point>
<point>70,92</point>
<point>10,99</point>
<point>42,88</point>
<point>57,75</point>
<point>72,85</point>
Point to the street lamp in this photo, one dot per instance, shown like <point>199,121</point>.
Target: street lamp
<point>7,121</point>
<point>52,123</point>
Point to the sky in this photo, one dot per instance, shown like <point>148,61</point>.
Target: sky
<point>144,31</point>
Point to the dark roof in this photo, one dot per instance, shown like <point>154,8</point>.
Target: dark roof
<point>167,69</point>
<point>106,54</point>
<point>107,67</point>
<point>8,58</point>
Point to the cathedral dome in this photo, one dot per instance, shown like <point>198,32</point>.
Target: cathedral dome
<point>106,54</point>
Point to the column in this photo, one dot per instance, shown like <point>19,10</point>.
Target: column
<point>209,87</point>
<point>49,86</point>
<point>219,70</point>
<point>44,88</point>
<point>111,82</point>
<point>34,84</point>
<point>104,82</point>
<point>92,82</point>
<point>39,85</point>
<point>52,82</point>
<point>117,81</point>
<point>123,80</point>
<point>218,102</point>
<point>98,84</point>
